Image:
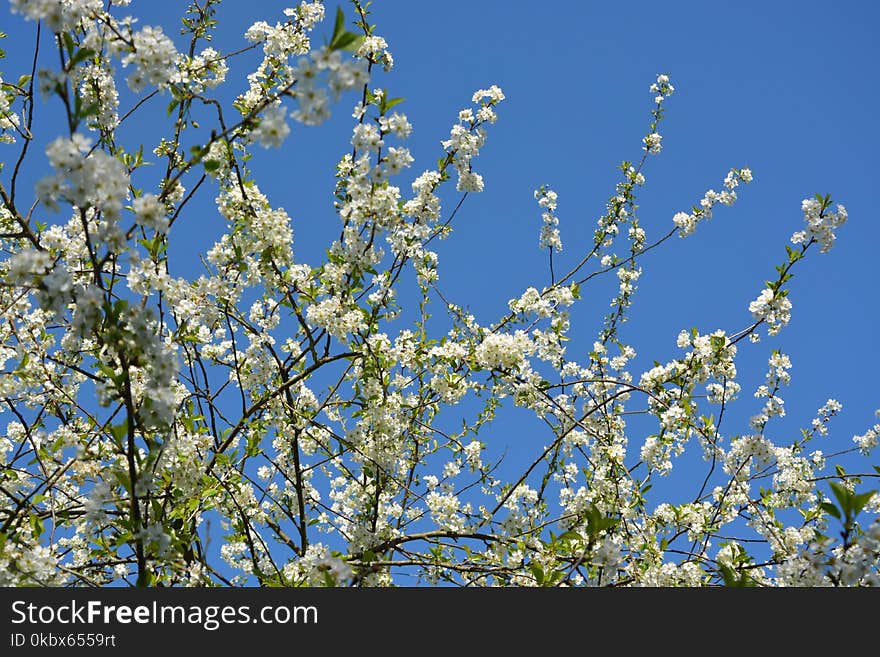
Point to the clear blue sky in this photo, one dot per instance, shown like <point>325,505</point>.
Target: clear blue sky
<point>785,88</point>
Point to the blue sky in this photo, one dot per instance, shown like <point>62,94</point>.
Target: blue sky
<point>783,88</point>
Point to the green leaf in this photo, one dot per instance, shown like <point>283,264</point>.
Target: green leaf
<point>829,508</point>
<point>68,43</point>
<point>346,41</point>
<point>36,526</point>
<point>121,539</point>
<point>728,574</point>
<point>844,497</point>
<point>253,444</point>
<point>81,54</point>
<point>339,25</point>
<point>119,431</point>
<point>569,536</point>
<point>536,570</point>
<point>391,102</point>
<point>859,501</point>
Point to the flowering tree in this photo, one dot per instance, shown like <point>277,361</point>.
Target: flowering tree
<point>314,418</point>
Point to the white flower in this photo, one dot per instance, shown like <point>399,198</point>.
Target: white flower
<point>820,225</point>
<point>397,159</point>
<point>366,137</point>
<point>656,455</point>
<point>549,237</point>
<point>493,93</point>
<point>774,308</point>
<point>687,222</point>
<point>59,15</point>
<point>662,87</point>
<point>150,212</point>
<point>331,315</point>
<point>206,70</point>
<point>98,87</point>
<point>375,48</point>
<point>652,143</point>
<point>504,351</point>
<point>273,129</point>
<point>445,510</point>
<point>9,120</point>
<point>310,13</point>
<point>468,181</point>
<point>98,180</point>
<point>154,57</point>
<point>396,123</point>
<point>869,440</point>
<point>472,454</point>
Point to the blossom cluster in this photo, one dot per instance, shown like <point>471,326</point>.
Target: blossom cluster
<point>290,66</point>
<point>468,136</point>
<point>154,57</point>
<point>9,120</point>
<point>85,178</point>
<point>663,89</point>
<point>773,307</point>
<point>58,15</point>
<point>868,440</point>
<point>686,222</point>
<point>204,71</point>
<point>821,224</point>
<point>549,238</point>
